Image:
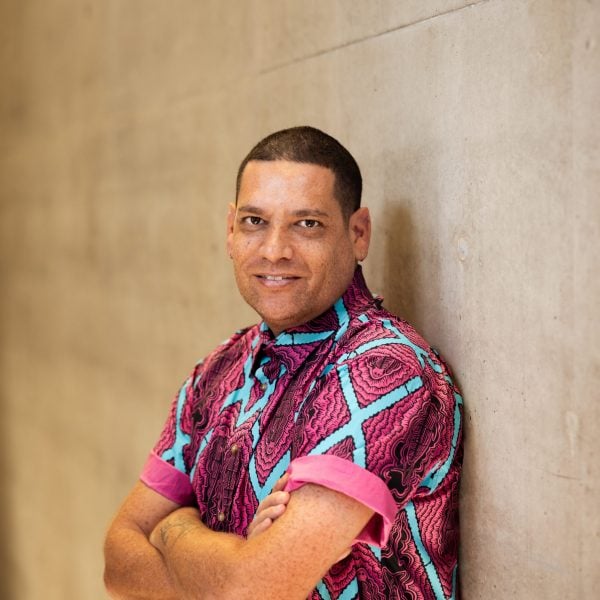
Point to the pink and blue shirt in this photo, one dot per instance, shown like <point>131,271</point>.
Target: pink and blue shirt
<point>355,401</point>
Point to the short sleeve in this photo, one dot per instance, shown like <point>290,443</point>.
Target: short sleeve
<point>166,470</point>
<point>167,481</point>
<point>348,478</point>
<point>376,416</point>
<point>172,462</point>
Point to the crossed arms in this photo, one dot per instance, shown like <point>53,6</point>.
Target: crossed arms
<point>157,550</point>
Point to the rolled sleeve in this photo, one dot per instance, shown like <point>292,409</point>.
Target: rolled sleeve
<point>342,475</point>
<point>166,480</point>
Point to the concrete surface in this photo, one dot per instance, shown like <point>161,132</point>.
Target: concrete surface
<point>476,127</point>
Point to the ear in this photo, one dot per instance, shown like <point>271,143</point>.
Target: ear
<point>360,232</point>
<point>230,224</point>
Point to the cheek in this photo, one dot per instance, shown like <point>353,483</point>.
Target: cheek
<point>240,249</point>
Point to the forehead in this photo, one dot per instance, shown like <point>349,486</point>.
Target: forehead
<point>281,179</point>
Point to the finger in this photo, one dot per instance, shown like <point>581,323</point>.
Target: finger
<point>281,482</point>
<point>273,512</point>
<point>254,530</point>
<point>269,514</point>
<point>273,499</point>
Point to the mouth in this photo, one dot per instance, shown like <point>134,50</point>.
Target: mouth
<point>276,280</point>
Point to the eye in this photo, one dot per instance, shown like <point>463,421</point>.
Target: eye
<point>310,223</point>
<point>252,220</point>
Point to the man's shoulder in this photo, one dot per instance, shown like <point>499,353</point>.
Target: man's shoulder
<point>230,351</point>
<point>380,336</point>
<point>378,330</point>
<point>241,341</point>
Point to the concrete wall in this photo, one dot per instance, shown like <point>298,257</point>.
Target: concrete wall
<point>121,126</point>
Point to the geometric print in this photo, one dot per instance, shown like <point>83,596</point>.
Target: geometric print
<point>357,383</point>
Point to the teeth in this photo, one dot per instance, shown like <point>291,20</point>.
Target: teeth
<point>274,278</point>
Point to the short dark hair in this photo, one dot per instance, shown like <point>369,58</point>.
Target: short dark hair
<point>310,145</point>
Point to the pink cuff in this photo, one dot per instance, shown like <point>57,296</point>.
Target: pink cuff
<point>165,479</point>
<point>344,476</point>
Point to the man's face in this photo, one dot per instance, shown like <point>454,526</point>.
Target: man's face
<point>293,252</point>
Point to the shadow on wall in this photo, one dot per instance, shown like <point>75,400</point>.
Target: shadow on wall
<point>407,292</point>
<point>403,284</point>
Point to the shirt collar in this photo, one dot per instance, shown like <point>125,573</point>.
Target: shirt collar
<point>292,346</point>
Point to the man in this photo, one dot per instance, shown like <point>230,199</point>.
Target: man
<point>316,454</point>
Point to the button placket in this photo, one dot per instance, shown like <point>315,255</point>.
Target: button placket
<point>261,379</point>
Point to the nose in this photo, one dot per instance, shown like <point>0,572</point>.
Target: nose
<point>276,245</point>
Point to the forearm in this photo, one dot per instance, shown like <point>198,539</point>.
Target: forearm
<point>286,561</point>
<point>134,569</point>
<point>199,561</point>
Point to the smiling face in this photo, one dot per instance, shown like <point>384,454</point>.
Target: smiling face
<point>293,252</point>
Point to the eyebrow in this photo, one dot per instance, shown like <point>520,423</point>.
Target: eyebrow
<point>301,212</point>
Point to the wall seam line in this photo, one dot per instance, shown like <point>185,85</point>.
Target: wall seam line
<point>318,53</point>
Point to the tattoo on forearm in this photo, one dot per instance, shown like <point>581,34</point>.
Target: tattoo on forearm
<point>176,527</point>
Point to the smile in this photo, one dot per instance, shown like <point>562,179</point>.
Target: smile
<point>276,280</point>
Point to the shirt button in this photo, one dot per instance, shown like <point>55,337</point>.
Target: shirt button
<point>234,449</point>
<point>263,387</point>
<point>221,517</point>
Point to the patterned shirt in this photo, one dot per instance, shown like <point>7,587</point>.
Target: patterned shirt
<point>354,400</point>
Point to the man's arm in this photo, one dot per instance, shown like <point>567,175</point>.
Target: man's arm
<point>134,569</point>
<point>285,561</point>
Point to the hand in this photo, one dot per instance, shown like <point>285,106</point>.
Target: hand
<point>270,509</point>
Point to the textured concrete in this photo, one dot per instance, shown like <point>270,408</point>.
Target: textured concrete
<point>121,126</point>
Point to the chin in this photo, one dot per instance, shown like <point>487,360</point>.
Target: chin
<point>277,324</point>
